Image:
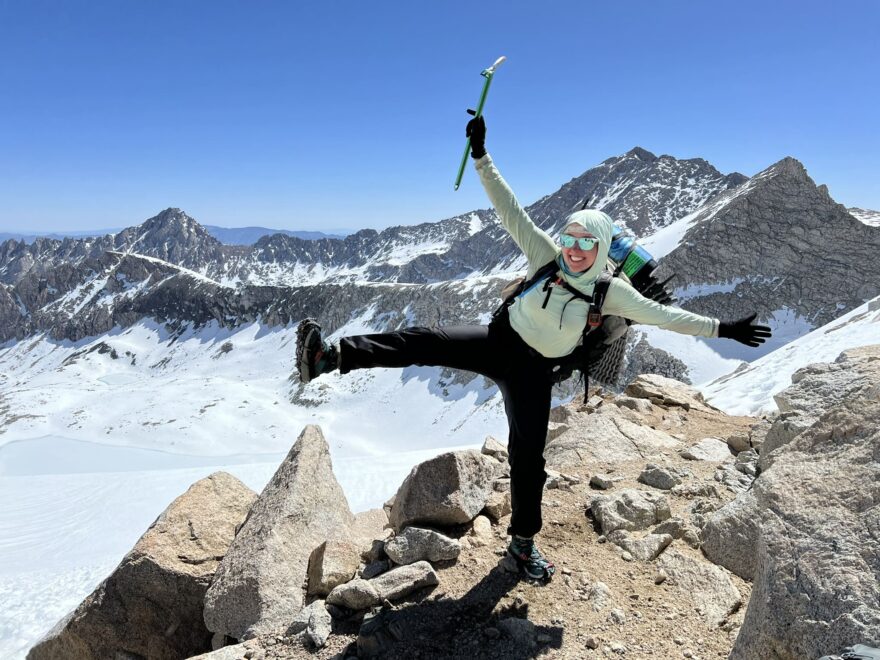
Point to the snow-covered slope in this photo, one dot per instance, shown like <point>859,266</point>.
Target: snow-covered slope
<point>750,389</point>
<point>219,393</point>
<point>867,216</point>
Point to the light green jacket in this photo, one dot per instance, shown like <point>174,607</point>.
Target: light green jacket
<point>555,330</point>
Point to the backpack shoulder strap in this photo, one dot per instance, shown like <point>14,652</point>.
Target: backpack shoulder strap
<point>601,288</point>
<point>516,287</point>
<point>543,272</point>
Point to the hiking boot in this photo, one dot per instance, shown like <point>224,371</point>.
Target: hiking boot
<point>530,560</point>
<point>314,356</point>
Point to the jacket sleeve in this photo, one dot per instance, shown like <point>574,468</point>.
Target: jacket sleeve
<point>623,300</point>
<point>535,243</point>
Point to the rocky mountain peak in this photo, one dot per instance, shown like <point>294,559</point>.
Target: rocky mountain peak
<point>174,223</point>
<point>782,246</point>
<point>172,236</point>
<point>644,192</point>
<point>788,167</point>
<point>641,154</point>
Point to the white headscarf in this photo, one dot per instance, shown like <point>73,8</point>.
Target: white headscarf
<point>599,224</point>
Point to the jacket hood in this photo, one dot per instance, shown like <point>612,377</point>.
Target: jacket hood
<point>599,224</point>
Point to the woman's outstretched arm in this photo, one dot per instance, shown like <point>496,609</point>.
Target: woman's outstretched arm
<point>535,243</point>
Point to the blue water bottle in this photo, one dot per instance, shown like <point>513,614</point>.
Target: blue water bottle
<point>631,258</point>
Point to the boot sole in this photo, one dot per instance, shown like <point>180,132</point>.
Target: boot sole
<point>303,332</point>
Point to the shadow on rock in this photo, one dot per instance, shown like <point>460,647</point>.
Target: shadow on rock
<point>471,626</point>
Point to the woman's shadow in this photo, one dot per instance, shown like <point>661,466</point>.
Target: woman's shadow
<point>467,627</point>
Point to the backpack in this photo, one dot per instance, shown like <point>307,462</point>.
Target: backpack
<point>603,342</point>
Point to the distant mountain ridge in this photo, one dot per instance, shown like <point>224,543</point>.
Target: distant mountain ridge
<point>637,188</point>
<point>226,235</point>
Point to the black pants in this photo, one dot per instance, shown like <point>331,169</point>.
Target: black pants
<point>497,352</point>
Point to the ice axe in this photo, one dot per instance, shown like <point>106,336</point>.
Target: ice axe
<point>487,74</point>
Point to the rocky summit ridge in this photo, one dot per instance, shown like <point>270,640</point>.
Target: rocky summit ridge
<point>677,530</point>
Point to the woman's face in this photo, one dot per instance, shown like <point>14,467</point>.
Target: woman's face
<point>576,259</point>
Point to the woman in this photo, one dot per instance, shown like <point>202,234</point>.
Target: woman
<point>519,349</point>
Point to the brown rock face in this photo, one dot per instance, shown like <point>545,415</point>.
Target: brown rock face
<point>151,605</point>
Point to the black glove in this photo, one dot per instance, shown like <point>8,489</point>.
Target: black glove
<point>476,131</point>
<point>744,332</point>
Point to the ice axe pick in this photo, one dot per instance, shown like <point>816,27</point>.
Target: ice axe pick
<point>487,74</point>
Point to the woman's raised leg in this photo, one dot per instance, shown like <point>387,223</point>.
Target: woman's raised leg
<point>472,347</point>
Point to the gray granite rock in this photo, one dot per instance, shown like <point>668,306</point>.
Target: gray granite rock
<point>629,509</point>
<point>313,624</point>
<point>330,564</point>
<point>603,481</point>
<point>604,437</point>
<point>644,548</point>
<point>662,476</point>
<point>666,392</point>
<point>481,532</point>
<point>402,581</point>
<point>374,568</point>
<point>449,489</point>
<point>357,594</point>
<point>369,526</point>
<point>498,505</point>
<point>639,405</point>
<point>708,586</point>
<point>258,585</point>
<point>707,449</point>
<point>730,536</point>
<point>817,559</point>
<point>738,442</point>
<point>416,544</point>
<point>678,529</point>
<point>494,448</point>
<point>815,389</point>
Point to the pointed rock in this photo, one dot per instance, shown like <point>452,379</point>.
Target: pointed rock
<point>259,584</point>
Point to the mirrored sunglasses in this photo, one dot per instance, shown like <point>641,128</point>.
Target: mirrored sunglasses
<point>583,242</point>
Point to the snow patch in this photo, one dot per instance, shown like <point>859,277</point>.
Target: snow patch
<point>750,391</point>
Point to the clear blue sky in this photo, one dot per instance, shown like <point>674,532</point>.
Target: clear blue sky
<point>351,114</point>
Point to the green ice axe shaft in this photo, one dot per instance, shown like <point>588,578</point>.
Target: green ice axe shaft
<point>487,74</point>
